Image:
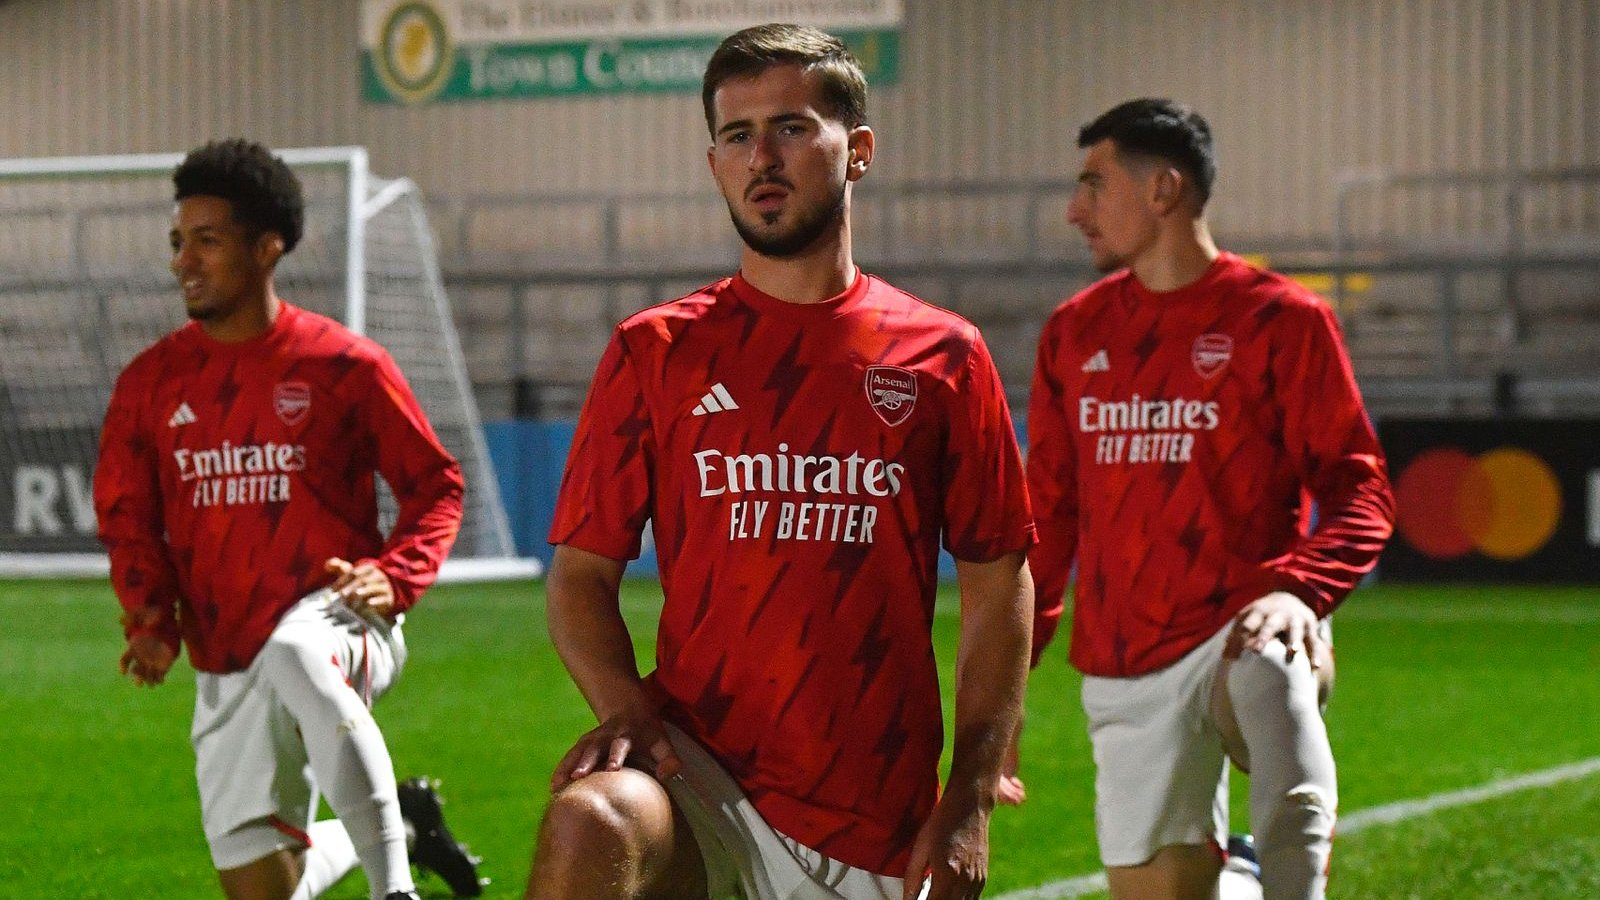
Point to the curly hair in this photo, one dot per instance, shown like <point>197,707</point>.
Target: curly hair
<point>263,190</point>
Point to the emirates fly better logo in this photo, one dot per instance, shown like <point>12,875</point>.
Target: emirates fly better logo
<point>892,391</point>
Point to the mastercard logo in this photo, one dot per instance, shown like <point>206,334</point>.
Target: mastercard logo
<point>1504,504</point>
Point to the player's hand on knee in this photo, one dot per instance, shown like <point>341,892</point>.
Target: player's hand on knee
<point>1278,615</point>
<point>608,746</point>
<point>146,660</point>
<point>361,586</point>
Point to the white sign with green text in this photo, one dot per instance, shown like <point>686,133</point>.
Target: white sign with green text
<point>418,51</point>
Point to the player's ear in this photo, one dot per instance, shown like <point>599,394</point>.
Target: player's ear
<point>861,143</point>
<point>1167,191</point>
<point>269,248</point>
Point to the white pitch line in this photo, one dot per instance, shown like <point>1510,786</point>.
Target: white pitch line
<point>1410,809</point>
<point>1071,887</point>
<point>1359,820</point>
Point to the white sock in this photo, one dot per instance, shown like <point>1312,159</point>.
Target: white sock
<point>330,858</point>
<point>1293,786</point>
<point>348,758</point>
<point>1232,885</point>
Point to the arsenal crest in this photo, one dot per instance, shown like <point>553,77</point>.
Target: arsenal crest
<point>892,391</point>
<point>291,400</point>
<point>1211,354</point>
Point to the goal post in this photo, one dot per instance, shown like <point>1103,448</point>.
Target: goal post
<point>85,285</point>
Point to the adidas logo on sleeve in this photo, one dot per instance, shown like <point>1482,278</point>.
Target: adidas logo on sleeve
<point>183,416</point>
<point>1099,362</point>
<point>716,400</point>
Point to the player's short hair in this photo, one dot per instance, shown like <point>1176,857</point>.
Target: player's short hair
<point>754,50</point>
<point>263,190</point>
<point>1164,129</point>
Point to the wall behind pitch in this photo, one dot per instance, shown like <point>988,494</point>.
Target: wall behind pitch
<point>1298,90</point>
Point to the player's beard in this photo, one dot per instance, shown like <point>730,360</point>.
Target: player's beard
<point>203,310</point>
<point>810,226</point>
<point>213,306</point>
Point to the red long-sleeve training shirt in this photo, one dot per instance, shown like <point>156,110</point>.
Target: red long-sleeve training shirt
<point>230,472</point>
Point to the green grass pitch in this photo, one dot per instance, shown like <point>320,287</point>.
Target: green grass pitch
<point>1440,689</point>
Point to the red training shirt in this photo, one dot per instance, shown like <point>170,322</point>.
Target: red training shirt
<point>801,463</point>
<point>1175,442</point>
<point>230,472</point>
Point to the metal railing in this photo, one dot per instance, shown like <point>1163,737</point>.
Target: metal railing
<point>1483,227</point>
<point>1000,252</point>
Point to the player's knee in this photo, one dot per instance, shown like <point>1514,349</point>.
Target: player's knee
<point>1269,676</point>
<point>625,812</point>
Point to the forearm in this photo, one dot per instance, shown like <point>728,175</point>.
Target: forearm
<point>1355,520</point>
<point>424,532</point>
<point>991,671</point>
<point>427,482</point>
<point>1050,562</point>
<point>589,633</point>
<point>1053,489</point>
<point>146,588</point>
<point>128,510</point>
<point>1339,459</point>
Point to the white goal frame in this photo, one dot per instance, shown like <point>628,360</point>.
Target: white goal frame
<point>366,196</point>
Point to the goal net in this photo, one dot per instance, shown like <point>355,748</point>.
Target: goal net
<point>84,286</point>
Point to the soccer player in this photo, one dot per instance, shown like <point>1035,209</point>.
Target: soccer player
<point>236,498</point>
<point>802,436</point>
<point>1186,410</point>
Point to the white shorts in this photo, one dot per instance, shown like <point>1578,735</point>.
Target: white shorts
<point>1161,777</point>
<point>745,857</point>
<point>257,794</point>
